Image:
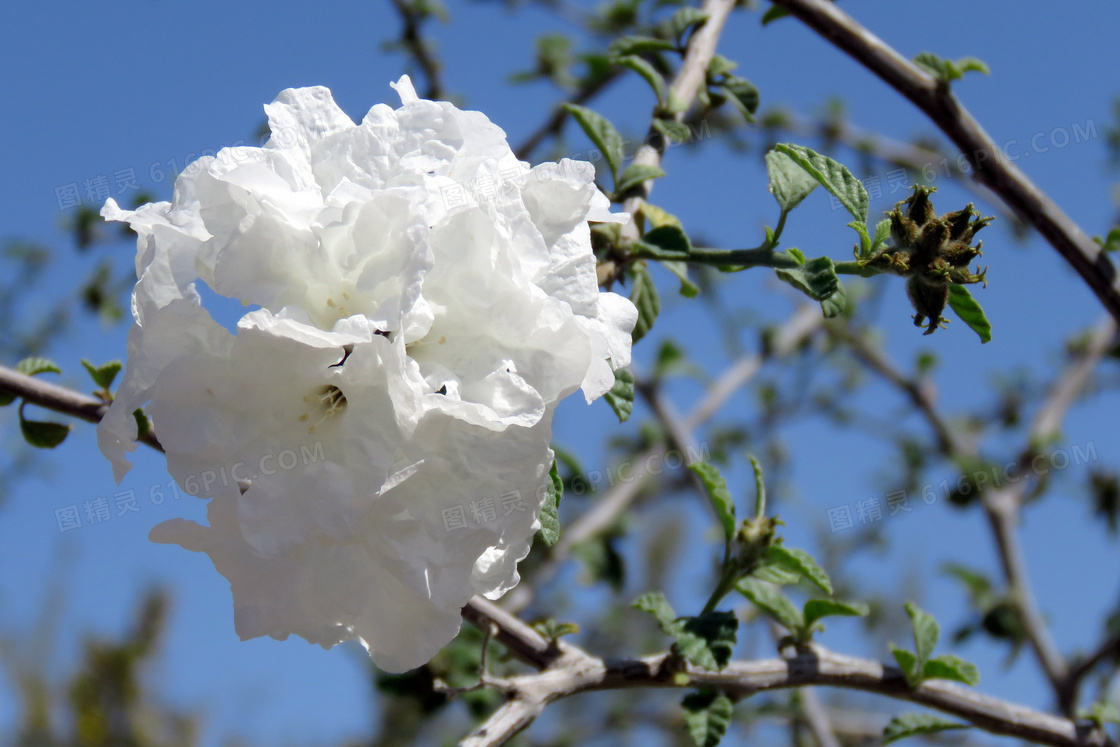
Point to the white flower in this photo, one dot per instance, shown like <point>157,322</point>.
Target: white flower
<point>375,435</point>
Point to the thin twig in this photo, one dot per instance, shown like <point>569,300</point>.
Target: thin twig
<point>414,42</point>
<point>988,164</point>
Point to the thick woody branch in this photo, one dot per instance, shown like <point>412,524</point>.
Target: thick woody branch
<point>989,167</point>
<point>741,679</point>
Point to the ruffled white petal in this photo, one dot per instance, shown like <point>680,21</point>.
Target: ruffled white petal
<point>374,434</point>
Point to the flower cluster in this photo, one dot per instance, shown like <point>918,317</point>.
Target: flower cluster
<point>424,348</point>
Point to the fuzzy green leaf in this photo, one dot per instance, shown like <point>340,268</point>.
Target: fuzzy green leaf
<point>707,714</point>
<point>667,242</point>
<point>926,633</point>
<point>789,183</point>
<point>632,45</point>
<point>550,512</point>
<point>775,12</point>
<point>834,305</point>
<point>913,724</point>
<point>815,609</point>
<point>34,366</point>
<point>621,395</point>
<point>708,640</point>
<point>775,574</point>
<point>773,602</point>
<point>719,495</point>
<point>831,175</point>
<point>949,667</point>
<point>800,562</point>
<point>654,603</point>
<point>908,663</point>
<point>43,435</point>
<point>602,133</point>
<point>103,375</point>
<point>643,294</point>
<point>686,18</point>
<point>648,73</point>
<point>816,278</point>
<point>689,289</point>
<point>970,311</point>
<point>635,174</point>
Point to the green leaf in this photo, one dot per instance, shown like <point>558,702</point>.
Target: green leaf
<point>942,70</point>
<point>1101,713</point>
<point>686,18</point>
<point>800,562</point>
<point>34,366</point>
<point>816,278</point>
<point>658,217</point>
<point>815,609</point>
<point>103,375</point>
<point>831,175</point>
<point>654,603</point>
<point>949,667</point>
<point>635,174</point>
<point>708,640</point>
<point>759,488</point>
<point>775,574</point>
<point>772,602</point>
<point>551,629</point>
<point>689,289</point>
<point>42,435</point>
<point>550,512</point>
<point>926,633</point>
<point>908,663</point>
<point>973,64</point>
<point>602,133</point>
<point>649,73</point>
<point>970,311</point>
<point>667,242</point>
<point>742,94</point>
<point>913,724</point>
<point>672,129</point>
<point>720,65</point>
<point>644,296</point>
<point>882,233</point>
<point>864,238</point>
<point>707,714</point>
<point>719,495</point>
<point>621,395</point>
<point>143,425</point>
<point>775,12</point>
<point>6,398</point>
<point>789,183</point>
<point>834,305</point>
<point>632,45</point>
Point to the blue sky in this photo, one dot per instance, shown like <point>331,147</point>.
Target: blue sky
<point>97,89</point>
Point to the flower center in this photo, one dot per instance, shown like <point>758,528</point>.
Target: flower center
<point>325,403</point>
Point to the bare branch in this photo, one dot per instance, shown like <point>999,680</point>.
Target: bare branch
<point>989,167</point>
<point>741,679</point>
<point>413,41</point>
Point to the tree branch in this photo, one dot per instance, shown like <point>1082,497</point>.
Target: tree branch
<point>741,679</point>
<point>412,40</point>
<point>989,166</point>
